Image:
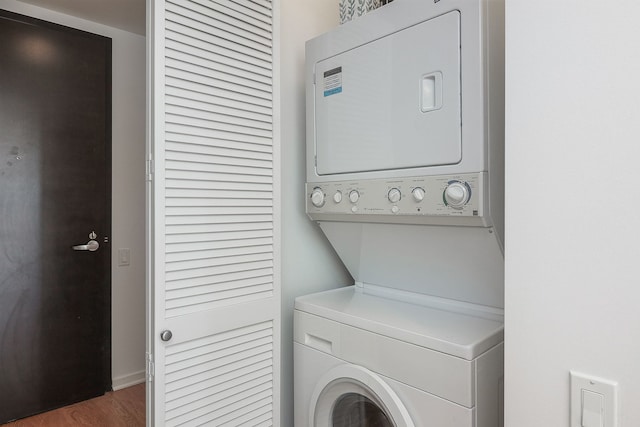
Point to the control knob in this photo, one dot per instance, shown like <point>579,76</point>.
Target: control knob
<point>317,197</point>
<point>337,197</point>
<point>394,195</point>
<point>457,194</point>
<point>418,194</point>
<point>354,196</point>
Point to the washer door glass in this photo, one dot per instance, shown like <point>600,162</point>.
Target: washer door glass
<point>352,396</point>
<point>356,410</point>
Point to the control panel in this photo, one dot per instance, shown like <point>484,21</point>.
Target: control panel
<point>444,196</point>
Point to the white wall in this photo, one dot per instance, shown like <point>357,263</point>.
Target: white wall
<point>128,200</point>
<point>573,229</point>
<point>128,283</point>
<point>309,264</point>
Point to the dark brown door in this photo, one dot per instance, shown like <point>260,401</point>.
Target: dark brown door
<point>55,190</point>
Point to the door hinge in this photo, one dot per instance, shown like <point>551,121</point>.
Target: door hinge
<point>150,170</point>
<point>151,367</point>
<point>315,161</point>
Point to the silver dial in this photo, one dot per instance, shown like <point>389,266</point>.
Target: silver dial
<point>418,194</point>
<point>457,194</point>
<point>317,197</point>
<point>394,195</point>
<point>337,197</point>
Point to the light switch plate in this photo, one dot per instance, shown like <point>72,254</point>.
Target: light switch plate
<point>589,383</point>
<point>124,257</point>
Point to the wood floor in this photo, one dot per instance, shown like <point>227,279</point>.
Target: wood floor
<point>122,408</point>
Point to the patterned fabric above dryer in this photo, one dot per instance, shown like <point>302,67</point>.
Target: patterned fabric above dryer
<point>351,9</point>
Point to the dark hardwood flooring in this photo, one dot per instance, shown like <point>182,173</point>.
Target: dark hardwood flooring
<point>122,408</point>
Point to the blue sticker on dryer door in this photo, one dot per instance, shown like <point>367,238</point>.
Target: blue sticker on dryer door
<point>332,81</point>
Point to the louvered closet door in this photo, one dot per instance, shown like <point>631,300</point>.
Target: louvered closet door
<point>213,229</point>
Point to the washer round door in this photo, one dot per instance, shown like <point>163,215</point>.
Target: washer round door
<point>353,396</point>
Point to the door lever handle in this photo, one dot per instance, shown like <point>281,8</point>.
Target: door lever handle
<point>91,246</point>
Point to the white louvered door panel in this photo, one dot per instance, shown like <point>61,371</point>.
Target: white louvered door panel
<point>213,218</point>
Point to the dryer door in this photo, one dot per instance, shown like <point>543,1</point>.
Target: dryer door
<point>353,396</point>
<point>393,103</point>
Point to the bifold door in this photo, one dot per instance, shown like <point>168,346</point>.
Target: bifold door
<point>214,317</point>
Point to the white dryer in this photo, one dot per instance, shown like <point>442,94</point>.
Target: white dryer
<point>365,360</point>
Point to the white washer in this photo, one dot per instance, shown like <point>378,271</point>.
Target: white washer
<point>364,360</point>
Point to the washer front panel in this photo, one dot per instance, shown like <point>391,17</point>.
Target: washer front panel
<point>446,376</point>
<point>423,408</point>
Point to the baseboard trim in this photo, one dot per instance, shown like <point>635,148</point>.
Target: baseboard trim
<point>124,381</point>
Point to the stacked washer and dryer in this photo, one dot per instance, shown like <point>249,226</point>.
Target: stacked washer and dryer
<point>405,177</point>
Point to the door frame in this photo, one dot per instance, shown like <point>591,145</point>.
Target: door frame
<point>153,62</point>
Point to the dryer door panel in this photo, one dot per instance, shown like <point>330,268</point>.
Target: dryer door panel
<point>393,103</point>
